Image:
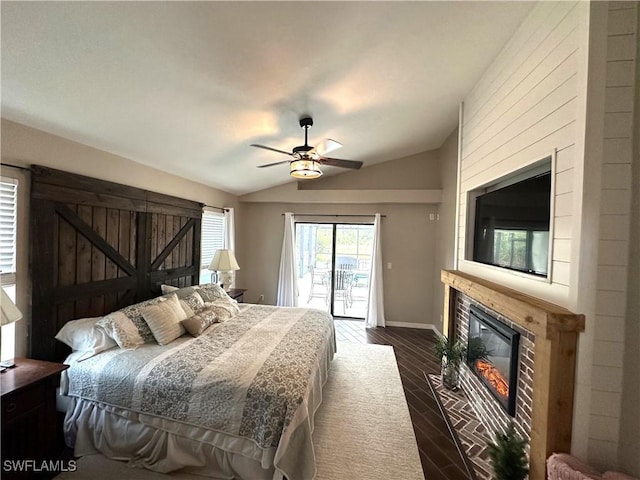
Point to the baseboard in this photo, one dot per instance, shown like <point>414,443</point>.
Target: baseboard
<point>421,326</point>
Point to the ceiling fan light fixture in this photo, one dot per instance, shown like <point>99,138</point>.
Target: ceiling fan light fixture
<point>307,159</point>
<point>305,168</point>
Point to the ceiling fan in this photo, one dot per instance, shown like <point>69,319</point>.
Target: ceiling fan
<point>306,160</point>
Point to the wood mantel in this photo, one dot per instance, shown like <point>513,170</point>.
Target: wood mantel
<point>556,336</point>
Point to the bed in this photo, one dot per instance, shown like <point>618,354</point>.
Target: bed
<point>237,401</point>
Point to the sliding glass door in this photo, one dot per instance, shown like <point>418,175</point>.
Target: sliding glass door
<point>334,262</point>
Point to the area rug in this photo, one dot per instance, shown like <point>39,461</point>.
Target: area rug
<point>363,430</point>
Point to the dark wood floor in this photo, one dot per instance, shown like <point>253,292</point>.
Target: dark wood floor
<point>414,352</point>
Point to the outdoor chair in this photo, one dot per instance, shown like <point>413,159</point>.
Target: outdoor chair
<point>342,288</point>
<point>318,284</point>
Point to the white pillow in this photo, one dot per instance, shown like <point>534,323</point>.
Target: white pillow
<point>84,335</point>
<point>119,327</point>
<point>168,289</point>
<point>164,319</point>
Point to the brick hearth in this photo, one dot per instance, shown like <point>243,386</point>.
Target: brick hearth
<point>472,436</point>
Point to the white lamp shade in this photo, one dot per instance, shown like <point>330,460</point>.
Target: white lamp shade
<point>305,168</point>
<point>10,312</point>
<point>224,261</point>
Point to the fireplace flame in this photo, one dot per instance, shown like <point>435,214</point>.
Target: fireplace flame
<point>493,377</point>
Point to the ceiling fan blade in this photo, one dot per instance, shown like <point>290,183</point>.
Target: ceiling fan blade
<point>325,146</point>
<point>270,148</point>
<point>336,162</point>
<point>273,164</point>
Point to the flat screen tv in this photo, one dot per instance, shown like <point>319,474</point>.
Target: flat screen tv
<point>512,226</point>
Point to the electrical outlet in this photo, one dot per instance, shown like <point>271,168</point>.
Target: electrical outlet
<point>261,298</point>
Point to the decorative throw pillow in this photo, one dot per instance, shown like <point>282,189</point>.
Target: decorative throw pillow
<point>84,335</point>
<point>564,465</point>
<point>211,292</point>
<point>224,309</point>
<point>134,313</point>
<point>164,319</point>
<point>119,327</point>
<point>198,323</point>
<point>192,304</point>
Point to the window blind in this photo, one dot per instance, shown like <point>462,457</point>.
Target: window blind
<point>8,222</point>
<point>212,236</point>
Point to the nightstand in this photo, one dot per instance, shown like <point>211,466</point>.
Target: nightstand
<point>29,409</point>
<point>237,294</point>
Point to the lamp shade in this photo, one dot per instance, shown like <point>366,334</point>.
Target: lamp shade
<point>10,312</point>
<point>305,168</point>
<point>224,261</point>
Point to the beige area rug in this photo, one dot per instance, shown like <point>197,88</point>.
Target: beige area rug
<point>363,430</point>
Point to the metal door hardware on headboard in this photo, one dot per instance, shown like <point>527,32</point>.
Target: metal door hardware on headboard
<point>97,246</point>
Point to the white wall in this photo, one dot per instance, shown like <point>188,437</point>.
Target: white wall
<point>524,108</point>
<point>612,318</point>
<point>630,427</point>
<point>562,85</point>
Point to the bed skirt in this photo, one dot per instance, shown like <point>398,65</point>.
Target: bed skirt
<point>119,434</point>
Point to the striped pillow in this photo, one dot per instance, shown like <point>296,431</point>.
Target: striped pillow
<point>164,319</point>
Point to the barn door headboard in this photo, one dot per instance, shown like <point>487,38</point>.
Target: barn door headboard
<point>98,246</point>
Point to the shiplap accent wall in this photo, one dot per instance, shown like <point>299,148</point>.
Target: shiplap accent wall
<point>613,251</point>
<point>530,103</point>
<point>525,108</point>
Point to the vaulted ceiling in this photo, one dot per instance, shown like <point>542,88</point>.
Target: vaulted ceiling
<point>186,87</point>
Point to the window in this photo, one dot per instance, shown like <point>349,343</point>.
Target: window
<point>8,222</point>
<point>8,230</point>
<point>213,226</point>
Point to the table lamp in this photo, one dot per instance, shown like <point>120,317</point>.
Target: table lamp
<point>224,262</point>
<point>9,314</point>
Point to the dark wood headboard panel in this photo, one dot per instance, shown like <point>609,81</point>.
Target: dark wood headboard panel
<point>98,246</point>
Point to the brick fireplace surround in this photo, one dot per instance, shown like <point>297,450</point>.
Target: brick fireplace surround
<point>547,353</point>
<point>489,411</point>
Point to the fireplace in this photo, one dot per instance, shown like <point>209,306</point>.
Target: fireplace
<point>498,371</point>
<point>546,360</point>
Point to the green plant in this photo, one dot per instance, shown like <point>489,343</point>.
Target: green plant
<point>454,351</point>
<point>508,455</point>
<point>450,353</point>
